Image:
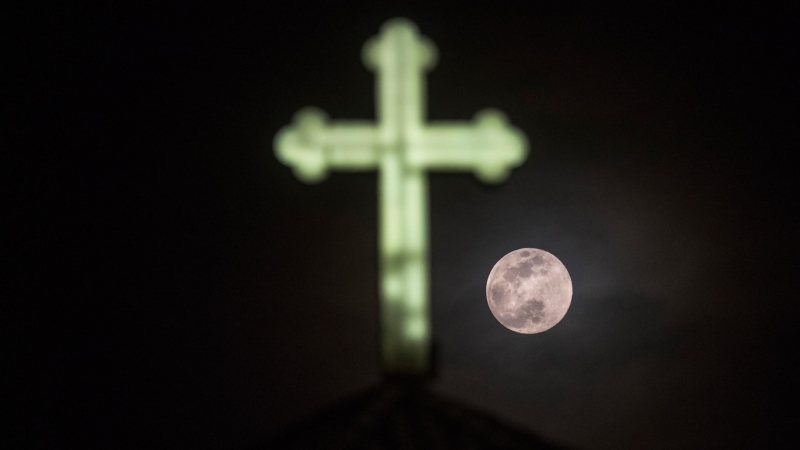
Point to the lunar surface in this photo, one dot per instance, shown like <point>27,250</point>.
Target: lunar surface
<point>529,291</point>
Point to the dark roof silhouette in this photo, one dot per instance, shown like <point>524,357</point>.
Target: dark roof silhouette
<point>400,415</point>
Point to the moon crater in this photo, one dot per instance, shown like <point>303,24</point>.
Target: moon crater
<point>529,291</point>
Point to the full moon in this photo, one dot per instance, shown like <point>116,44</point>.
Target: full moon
<point>529,291</point>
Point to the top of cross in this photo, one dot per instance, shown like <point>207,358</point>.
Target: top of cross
<point>400,56</point>
<point>397,35</point>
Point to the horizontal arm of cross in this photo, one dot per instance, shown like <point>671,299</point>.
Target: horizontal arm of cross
<point>488,146</point>
<point>313,145</point>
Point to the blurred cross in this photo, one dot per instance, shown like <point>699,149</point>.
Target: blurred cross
<point>401,146</point>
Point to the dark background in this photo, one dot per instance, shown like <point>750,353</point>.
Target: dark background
<point>170,284</point>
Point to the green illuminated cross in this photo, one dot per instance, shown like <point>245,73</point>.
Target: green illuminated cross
<point>401,146</point>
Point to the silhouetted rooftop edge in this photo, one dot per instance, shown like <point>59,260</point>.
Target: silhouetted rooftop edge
<point>400,414</point>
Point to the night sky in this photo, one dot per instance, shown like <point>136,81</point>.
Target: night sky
<point>171,284</point>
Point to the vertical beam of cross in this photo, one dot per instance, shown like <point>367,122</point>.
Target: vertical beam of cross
<point>399,58</point>
<point>402,147</point>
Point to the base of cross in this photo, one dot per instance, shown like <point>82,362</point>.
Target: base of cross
<point>413,368</point>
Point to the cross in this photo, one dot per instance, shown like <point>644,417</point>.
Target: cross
<point>401,146</point>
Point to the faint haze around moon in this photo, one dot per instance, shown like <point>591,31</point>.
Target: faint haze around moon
<point>529,291</point>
